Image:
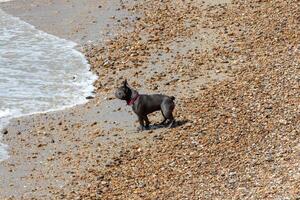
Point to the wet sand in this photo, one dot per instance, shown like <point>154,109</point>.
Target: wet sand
<point>42,146</point>
<point>79,21</point>
<point>227,142</point>
<point>83,23</point>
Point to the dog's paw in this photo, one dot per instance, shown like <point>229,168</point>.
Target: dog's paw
<point>172,124</point>
<point>143,128</point>
<point>140,128</point>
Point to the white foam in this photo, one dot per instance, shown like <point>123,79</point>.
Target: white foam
<point>39,72</point>
<point>4,119</point>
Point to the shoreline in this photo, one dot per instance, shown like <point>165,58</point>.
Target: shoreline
<point>15,128</point>
<point>12,184</point>
<point>233,140</point>
<point>88,91</point>
<point>105,130</point>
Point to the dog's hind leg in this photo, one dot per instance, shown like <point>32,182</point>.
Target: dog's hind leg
<point>165,119</point>
<point>167,109</point>
<point>171,120</point>
<point>172,123</point>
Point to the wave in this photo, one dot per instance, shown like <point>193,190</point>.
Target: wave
<point>39,72</point>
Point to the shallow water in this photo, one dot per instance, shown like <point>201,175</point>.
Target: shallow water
<point>38,72</point>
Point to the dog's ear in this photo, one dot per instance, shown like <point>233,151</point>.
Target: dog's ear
<point>125,84</point>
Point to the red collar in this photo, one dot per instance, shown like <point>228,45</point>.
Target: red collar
<point>131,101</point>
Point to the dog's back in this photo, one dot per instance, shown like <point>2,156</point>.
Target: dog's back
<point>154,102</point>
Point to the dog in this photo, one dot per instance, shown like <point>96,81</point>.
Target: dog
<point>143,104</point>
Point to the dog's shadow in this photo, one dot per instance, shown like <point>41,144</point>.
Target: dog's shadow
<point>176,124</point>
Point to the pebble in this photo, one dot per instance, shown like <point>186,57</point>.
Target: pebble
<point>233,152</point>
<point>4,131</point>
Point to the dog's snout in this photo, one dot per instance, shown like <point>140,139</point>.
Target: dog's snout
<point>118,94</point>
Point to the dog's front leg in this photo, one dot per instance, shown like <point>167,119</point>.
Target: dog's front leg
<point>147,127</point>
<point>142,125</point>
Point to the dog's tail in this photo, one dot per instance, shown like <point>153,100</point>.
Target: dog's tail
<point>172,97</point>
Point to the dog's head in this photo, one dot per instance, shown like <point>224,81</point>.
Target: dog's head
<point>123,92</point>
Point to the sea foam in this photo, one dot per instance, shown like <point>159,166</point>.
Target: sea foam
<point>39,72</point>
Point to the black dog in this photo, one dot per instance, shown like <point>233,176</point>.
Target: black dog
<point>144,104</point>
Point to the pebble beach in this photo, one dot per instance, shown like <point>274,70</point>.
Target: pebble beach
<point>234,68</point>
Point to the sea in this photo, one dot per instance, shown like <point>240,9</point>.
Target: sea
<point>39,72</point>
